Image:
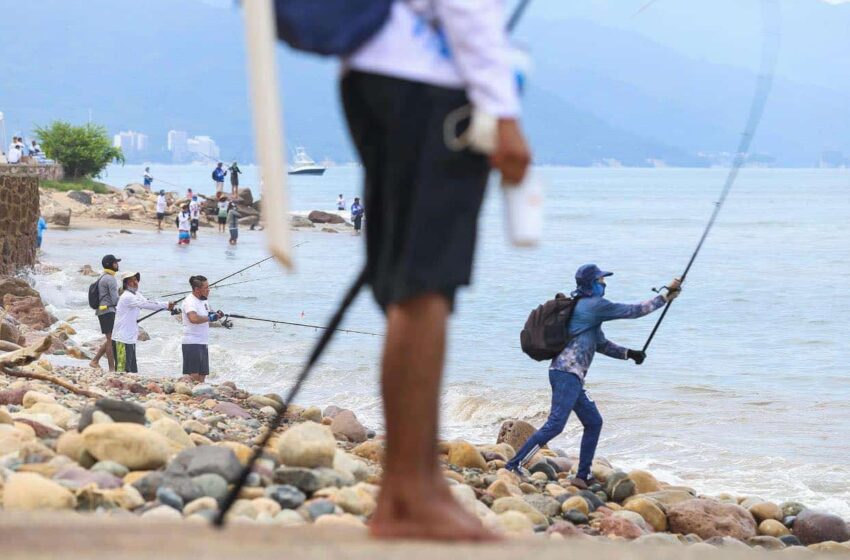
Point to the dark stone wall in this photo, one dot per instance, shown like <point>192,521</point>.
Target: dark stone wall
<point>19,213</point>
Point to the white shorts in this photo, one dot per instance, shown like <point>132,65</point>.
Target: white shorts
<point>219,187</point>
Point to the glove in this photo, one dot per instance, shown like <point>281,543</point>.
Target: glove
<point>636,355</point>
<point>673,290</point>
<point>212,317</point>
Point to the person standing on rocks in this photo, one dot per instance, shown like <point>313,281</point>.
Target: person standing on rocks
<point>223,206</point>
<point>148,179</point>
<point>197,317</point>
<point>218,177</point>
<point>234,179</point>
<point>107,290</point>
<point>357,212</point>
<point>567,371</point>
<point>397,91</point>
<point>340,203</point>
<point>126,331</point>
<point>161,207</point>
<point>184,225</point>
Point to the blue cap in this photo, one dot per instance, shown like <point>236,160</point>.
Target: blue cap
<point>588,273</point>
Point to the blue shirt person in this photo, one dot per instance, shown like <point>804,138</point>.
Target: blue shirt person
<point>42,225</point>
<point>568,370</point>
<point>357,212</point>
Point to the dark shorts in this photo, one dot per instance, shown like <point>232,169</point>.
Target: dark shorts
<point>222,220</point>
<point>234,234</point>
<point>358,222</point>
<point>160,215</point>
<point>196,359</point>
<point>125,357</point>
<point>193,225</point>
<point>107,321</point>
<point>423,198</point>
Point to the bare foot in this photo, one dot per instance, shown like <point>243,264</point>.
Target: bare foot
<point>429,516</point>
<point>94,365</point>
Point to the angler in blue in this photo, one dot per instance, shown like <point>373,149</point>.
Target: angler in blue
<point>567,371</point>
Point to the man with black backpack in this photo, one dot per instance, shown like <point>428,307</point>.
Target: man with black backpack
<point>567,370</point>
<point>103,298</point>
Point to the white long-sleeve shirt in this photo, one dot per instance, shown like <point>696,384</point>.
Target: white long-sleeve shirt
<point>468,49</point>
<point>127,311</point>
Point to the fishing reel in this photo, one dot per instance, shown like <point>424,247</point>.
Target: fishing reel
<point>176,311</point>
<point>226,322</point>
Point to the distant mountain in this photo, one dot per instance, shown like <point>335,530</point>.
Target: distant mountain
<point>598,93</point>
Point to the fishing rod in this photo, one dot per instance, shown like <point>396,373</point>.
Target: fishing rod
<point>254,15</point>
<point>235,316</point>
<point>769,55</point>
<point>213,284</point>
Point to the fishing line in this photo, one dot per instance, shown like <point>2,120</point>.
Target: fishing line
<point>327,334</point>
<point>771,16</point>
<point>235,316</point>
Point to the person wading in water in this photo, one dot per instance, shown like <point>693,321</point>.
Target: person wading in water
<point>568,370</point>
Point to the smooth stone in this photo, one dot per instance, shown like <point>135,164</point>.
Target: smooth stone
<point>650,511</point>
<point>345,463</point>
<point>575,503</point>
<point>174,432</point>
<point>371,450</point>
<point>206,503</point>
<point>773,528</point>
<point>576,517</point>
<point>33,397</point>
<point>831,548</point>
<point>766,542</point>
<point>544,468</point>
<point>307,445</point>
<point>791,508</point>
<point>644,481</point>
<point>518,504</point>
<point>514,523</point>
<point>726,542</point>
<point>766,510</point>
<point>163,513</point>
<point>346,424</point>
<point>289,518</point>
<point>593,500</point>
<point>118,410</point>
<point>709,519</point>
<point>266,506</point>
<point>289,497</point>
<point>356,500</point>
<point>129,444</point>
<point>211,485</point>
<point>184,486</point>
<point>331,478</point>
<point>195,427</point>
<point>565,529</point>
<point>790,540</point>
<point>260,401</point>
<point>318,508</point>
<point>515,433</point>
<point>465,455</point>
<point>77,477</point>
<point>550,507</point>
<point>231,410</point>
<point>203,390</point>
<point>207,459</point>
<point>619,486</point>
<point>620,527</point>
<point>169,497</point>
<point>813,527</point>
<point>666,497</point>
<point>659,539</point>
<point>30,492</point>
<point>183,389</point>
<point>312,414</point>
<point>60,415</point>
<point>243,452</point>
<point>303,479</point>
<point>341,523</point>
<point>635,518</point>
<point>789,520</point>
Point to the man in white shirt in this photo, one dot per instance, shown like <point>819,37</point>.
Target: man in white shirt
<point>161,207</point>
<point>340,203</point>
<point>195,216</point>
<point>184,224</point>
<point>15,153</point>
<point>429,59</point>
<point>197,317</point>
<point>125,332</point>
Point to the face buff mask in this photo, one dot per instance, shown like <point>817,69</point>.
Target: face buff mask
<point>598,288</point>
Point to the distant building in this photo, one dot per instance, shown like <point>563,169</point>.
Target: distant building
<point>133,144</point>
<point>178,145</point>
<point>203,146</point>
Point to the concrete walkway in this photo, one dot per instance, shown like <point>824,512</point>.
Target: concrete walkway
<point>93,538</point>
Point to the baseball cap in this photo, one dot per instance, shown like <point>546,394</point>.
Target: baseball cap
<point>109,260</point>
<point>587,273</point>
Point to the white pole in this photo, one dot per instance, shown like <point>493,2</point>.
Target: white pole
<point>261,37</point>
<point>3,122</point>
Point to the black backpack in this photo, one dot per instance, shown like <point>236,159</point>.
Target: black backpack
<point>94,294</point>
<point>214,178</point>
<point>544,335</point>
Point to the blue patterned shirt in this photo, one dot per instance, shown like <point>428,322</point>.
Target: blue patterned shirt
<point>586,334</point>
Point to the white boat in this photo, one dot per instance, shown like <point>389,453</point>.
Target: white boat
<point>302,164</point>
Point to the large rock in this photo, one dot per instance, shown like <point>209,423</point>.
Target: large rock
<point>814,526</point>
<point>16,287</point>
<point>665,497</point>
<point>29,491</point>
<point>206,459</point>
<point>463,454</point>
<point>13,396</point>
<point>182,485</point>
<point>82,197</point>
<point>372,450</point>
<point>245,196</point>
<point>61,416</point>
<point>766,510</point>
<point>174,432</point>
<point>644,482</point>
<point>347,425</point>
<point>307,445</point>
<point>60,218</point>
<point>651,511</point>
<point>128,444</point>
<point>28,310</point>
<point>118,410</point>
<point>619,486</point>
<point>515,433</point>
<point>319,217</point>
<point>301,221</point>
<point>708,519</point>
<point>619,527</point>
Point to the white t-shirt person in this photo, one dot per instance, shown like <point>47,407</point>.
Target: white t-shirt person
<point>126,329</point>
<point>195,333</point>
<point>161,204</point>
<point>183,221</point>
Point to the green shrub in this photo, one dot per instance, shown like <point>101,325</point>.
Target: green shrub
<point>84,151</point>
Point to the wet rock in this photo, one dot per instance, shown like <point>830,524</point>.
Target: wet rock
<point>319,217</point>
<point>28,310</point>
<point>814,527</point>
<point>29,492</point>
<point>708,519</point>
<point>515,433</point>
<point>791,508</point>
<point>575,503</point>
<point>576,517</point>
<point>545,468</point>
<point>619,486</point>
<point>790,540</point>
<point>168,497</point>
<point>131,445</point>
<point>644,482</point>
<point>593,500</point>
<point>772,528</point>
<point>346,424</point>
<point>651,511</point>
<point>206,459</point>
<point>118,410</point>
<point>303,479</point>
<point>289,497</point>
<point>307,445</point>
<point>765,510</point>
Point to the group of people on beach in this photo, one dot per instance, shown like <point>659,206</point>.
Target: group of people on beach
<point>19,152</point>
<point>119,304</point>
<point>357,211</point>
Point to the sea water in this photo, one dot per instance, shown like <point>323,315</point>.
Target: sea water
<point>746,387</point>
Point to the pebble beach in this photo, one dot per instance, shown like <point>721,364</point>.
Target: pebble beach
<point>145,447</point>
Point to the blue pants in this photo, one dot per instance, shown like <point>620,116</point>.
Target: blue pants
<point>568,395</point>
